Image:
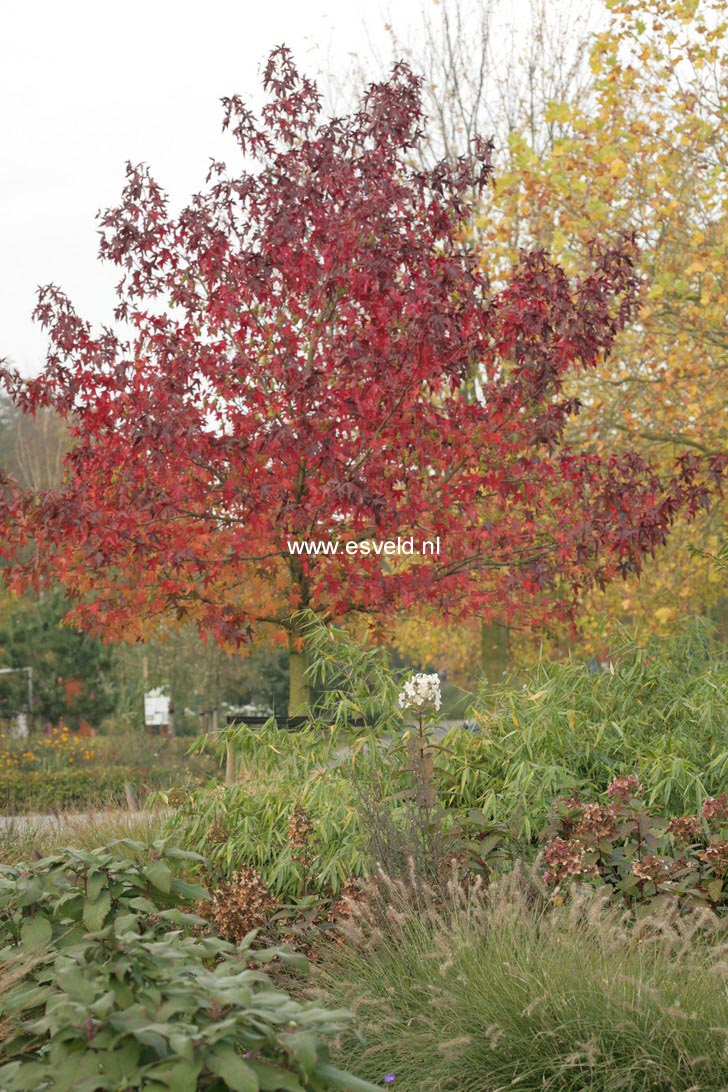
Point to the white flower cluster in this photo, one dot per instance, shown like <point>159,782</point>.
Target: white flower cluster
<point>420,689</point>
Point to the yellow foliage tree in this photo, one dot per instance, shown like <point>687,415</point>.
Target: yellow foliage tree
<point>642,148</point>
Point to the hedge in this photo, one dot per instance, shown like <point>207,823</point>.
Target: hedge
<point>42,792</point>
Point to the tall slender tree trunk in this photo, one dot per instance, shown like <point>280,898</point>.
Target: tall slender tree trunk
<point>494,651</point>
<point>300,689</point>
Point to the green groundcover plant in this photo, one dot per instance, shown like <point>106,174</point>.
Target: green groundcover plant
<point>107,981</point>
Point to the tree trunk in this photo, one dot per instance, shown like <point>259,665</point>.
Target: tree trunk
<point>300,690</point>
<point>494,651</point>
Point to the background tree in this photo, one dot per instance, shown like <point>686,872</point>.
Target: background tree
<point>200,677</point>
<point>32,448</point>
<point>621,126</point>
<point>301,337</point>
<point>71,670</point>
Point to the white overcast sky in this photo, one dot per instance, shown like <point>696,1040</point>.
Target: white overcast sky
<point>87,86</point>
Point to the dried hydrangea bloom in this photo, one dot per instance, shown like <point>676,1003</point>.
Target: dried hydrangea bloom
<point>685,828</point>
<point>597,822</point>
<point>624,788</point>
<point>717,857</point>
<point>300,829</point>
<point>650,868</point>
<point>566,859</point>
<point>243,904</point>
<point>715,808</point>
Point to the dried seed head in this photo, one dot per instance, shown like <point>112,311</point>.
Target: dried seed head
<point>300,829</point>
<point>597,822</point>
<point>243,904</point>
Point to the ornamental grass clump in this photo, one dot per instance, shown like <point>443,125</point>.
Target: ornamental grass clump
<point>495,986</point>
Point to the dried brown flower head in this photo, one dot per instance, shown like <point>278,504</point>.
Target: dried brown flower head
<point>300,831</point>
<point>651,869</point>
<point>355,893</point>
<point>243,904</point>
<point>685,828</point>
<point>566,859</point>
<point>218,832</point>
<point>716,856</point>
<point>597,822</point>
<point>624,788</point>
<point>715,808</point>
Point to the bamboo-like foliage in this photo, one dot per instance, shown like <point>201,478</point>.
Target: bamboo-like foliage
<point>658,712</point>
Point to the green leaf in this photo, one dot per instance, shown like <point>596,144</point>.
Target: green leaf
<point>273,1078</point>
<point>225,1062</point>
<point>94,913</point>
<point>159,874</point>
<point>302,1045</point>
<point>36,932</point>
<point>76,985</point>
<point>145,906</point>
<point>178,917</point>
<point>294,959</point>
<point>179,1076</point>
<point>714,889</point>
<point>182,855</point>
<point>23,1076</point>
<point>95,883</point>
<point>193,891</point>
<point>124,923</point>
<point>337,1078</point>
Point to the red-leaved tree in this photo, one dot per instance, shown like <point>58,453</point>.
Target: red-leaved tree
<point>297,347</point>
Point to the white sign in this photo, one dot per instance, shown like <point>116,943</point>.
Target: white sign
<point>156,708</point>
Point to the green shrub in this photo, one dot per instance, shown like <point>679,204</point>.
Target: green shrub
<point>55,790</point>
<point>660,713</point>
<point>57,899</point>
<point>46,791</point>
<point>488,991</point>
<point>363,803</point>
<point>247,824</point>
<point>102,987</point>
